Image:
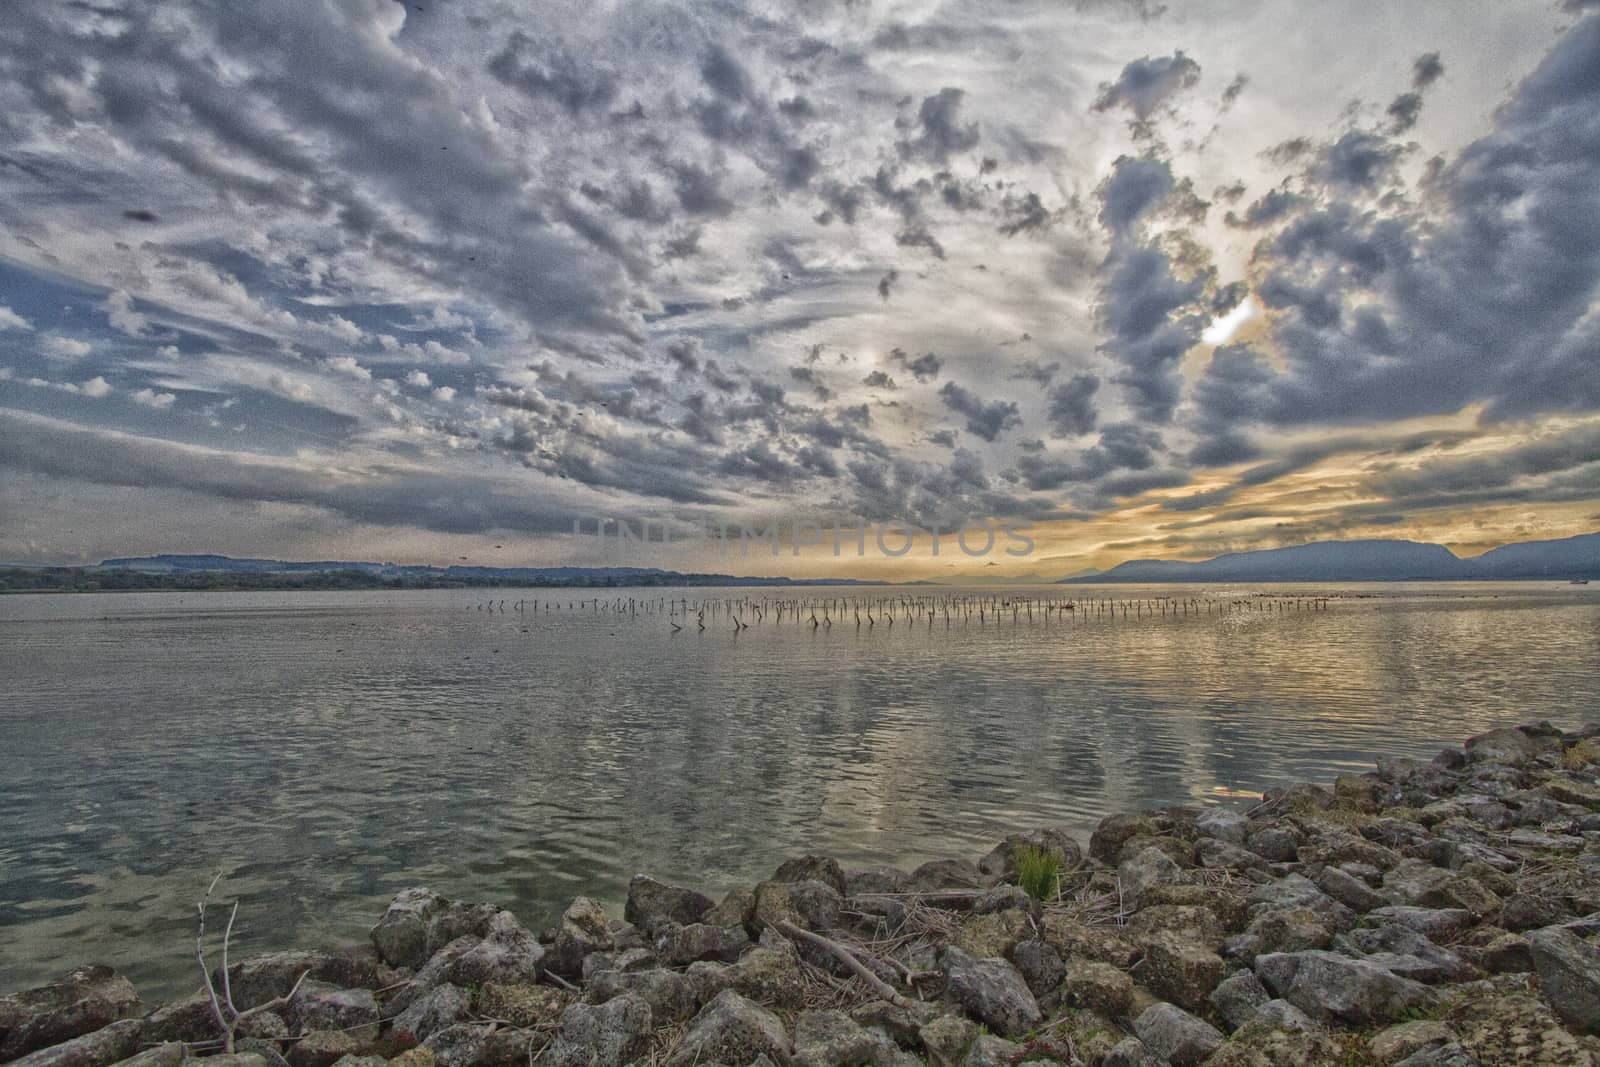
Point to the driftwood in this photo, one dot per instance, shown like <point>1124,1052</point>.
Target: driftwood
<point>227,1016</point>
<point>847,957</point>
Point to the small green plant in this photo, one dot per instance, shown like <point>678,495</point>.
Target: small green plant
<point>1038,871</point>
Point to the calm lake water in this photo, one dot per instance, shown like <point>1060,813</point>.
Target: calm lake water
<point>326,749</point>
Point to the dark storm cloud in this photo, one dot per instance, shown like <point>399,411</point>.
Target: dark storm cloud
<point>987,420</point>
<point>1148,83</point>
<point>552,73</point>
<point>1036,371</point>
<point>878,380</point>
<point>925,368</point>
<point>1387,315</point>
<point>1151,315</point>
<point>1270,208</point>
<point>1358,161</point>
<point>886,284</point>
<point>942,133</point>
<point>1072,410</point>
<point>1427,69</point>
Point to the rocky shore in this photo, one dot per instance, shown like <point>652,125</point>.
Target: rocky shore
<point>1430,914</point>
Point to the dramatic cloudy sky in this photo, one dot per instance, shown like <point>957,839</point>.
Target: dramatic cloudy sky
<point>424,281</point>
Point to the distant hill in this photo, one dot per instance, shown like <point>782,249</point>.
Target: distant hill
<point>1369,561</point>
<point>405,574</point>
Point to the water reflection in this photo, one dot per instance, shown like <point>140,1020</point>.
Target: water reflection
<point>327,749</point>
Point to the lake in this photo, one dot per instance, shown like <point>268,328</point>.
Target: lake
<point>324,750</point>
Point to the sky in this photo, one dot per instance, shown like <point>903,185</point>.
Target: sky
<point>429,282</point>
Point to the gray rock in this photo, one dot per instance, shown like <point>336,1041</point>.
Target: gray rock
<point>1237,997</point>
<point>651,903</point>
<point>1131,1052</point>
<point>1274,844</point>
<point>320,1006</point>
<point>671,996</point>
<point>947,874</point>
<point>1002,898</point>
<point>1406,952</point>
<point>1040,965</point>
<point>262,978</point>
<point>360,1061</point>
<point>809,868</point>
<point>1327,985</point>
<point>769,976</point>
<point>1451,1055</point>
<point>1348,890</point>
<point>1098,986</point>
<point>604,1035</point>
<point>436,1009</point>
<point>401,935</point>
<point>1279,930</point>
<point>832,1039</point>
<point>1178,969</point>
<point>875,880</point>
<point>583,930</point>
<point>98,1048</point>
<point>1406,1039</point>
<point>1431,922</point>
<point>946,1039</point>
<point>1281,1015</point>
<point>1224,824</point>
<point>1507,954</point>
<point>323,1048</point>
<point>1569,974</point>
<point>440,969</point>
<point>1510,746</point>
<point>85,1000</point>
<point>1147,868</point>
<point>507,953</point>
<point>1174,1035</point>
<point>732,1030</point>
<point>1001,862</point>
<point>1216,854</point>
<point>190,1019</point>
<point>677,946</point>
<point>170,1054</point>
<point>990,1051</point>
<point>991,991</point>
<point>461,1045</point>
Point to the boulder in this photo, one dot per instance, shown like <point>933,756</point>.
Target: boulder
<point>1097,986</point>
<point>1040,965</point>
<point>320,1006</point>
<point>809,905</point>
<point>1406,1039</point>
<point>822,869</point>
<point>1275,844</point>
<point>1001,862</point>
<point>98,1048</point>
<point>1281,1015</point>
<point>506,953</point>
<point>1237,997</point>
<point>323,1048</point>
<point>1406,952</point>
<point>1279,930</point>
<point>946,1039</point>
<point>1105,844</point>
<point>401,935</point>
<point>831,1038</point>
<point>1072,938</point>
<point>1507,954</point>
<point>732,1030</point>
<point>461,1045</point>
<point>262,978</point>
<point>1258,1044</point>
<point>169,1054</point>
<point>677,946</point>
<point>651,903</point>
<point>1516,1027</point>
<point>768,976</point>
<point>994,935</point>
<point>85,1000</point>
<point>1348,890</point>
<point>1327,985</point>
<point>189,1019</point>
<point>436,1009</point>
<point>671,996</point>
<point>1148,868</point>
<point>1569,974</point>
<point>1436,923</point>
<point>990,1051</point>
<point>1448,1055</point>
<point>991,991</point>
<point>1175,1036</point>
<point>1224,824</point>
<point>601,1035</point>
<point>946,874</point>
<point>1131,1052</point>
<point>1178,969</point>
<point>582,930</point>
<point>1509,745</point>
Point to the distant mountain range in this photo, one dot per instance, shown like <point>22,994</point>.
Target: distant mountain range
<point>1369,561</point>
<point>411,574</point>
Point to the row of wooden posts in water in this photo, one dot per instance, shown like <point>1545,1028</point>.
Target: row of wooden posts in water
<point>872,611</point>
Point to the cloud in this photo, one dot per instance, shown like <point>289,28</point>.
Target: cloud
<point>925,368</point>
<point>96,387</point>
<point>1072,410</point>
<point>346,365</point>
<point>987,420</point>
<point>942,133</point>
<point>1148,83</point>
<point>151,399</point>
<point>10,320</point>
<point>119,310</point>
<point>67,347</point>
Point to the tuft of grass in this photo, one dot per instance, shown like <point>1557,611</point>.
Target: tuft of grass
<point>1581,754</point>
<point>1038,872</point>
